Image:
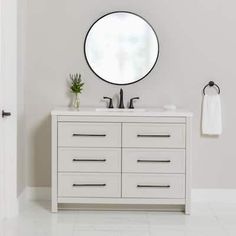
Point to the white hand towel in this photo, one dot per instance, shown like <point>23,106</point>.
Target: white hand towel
<point>211,115</point>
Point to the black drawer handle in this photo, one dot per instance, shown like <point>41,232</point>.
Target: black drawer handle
<point>92,160</point>
<point>89,185</point>
<point>153,135</point>
<point>153,186</point>
<point>155,161</point>
<point>89,135</point>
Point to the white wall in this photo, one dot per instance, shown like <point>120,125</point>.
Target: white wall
<point>197,44</point>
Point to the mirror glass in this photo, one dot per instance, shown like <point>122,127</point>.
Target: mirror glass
<point>121,48</point>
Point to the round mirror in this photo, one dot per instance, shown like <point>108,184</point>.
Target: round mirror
<point>121,48</point>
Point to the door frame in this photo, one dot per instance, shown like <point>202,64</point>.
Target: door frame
<point>8,101</point>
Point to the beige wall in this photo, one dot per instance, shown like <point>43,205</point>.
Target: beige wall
<point>197,44</point>
<point>20,101</point>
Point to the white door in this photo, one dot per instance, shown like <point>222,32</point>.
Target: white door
<point>8,103</point>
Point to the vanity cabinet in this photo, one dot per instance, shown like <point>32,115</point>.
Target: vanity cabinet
<point>130,158</point>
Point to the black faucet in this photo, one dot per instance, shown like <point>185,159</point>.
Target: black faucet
<point>131,103</point>
<point>110,102</point>
<point>121,103</point>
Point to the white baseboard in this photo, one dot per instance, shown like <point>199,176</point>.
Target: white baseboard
<point>36,193</point>
<point>214,195</point>
<point>198,195</point>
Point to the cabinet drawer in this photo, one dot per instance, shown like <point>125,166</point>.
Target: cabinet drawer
<point>153,186</point>
<point>89,185</point>
<point>89,159</point>
<point>153,160</point>
<point>73,134</point>
<point>153,135</point>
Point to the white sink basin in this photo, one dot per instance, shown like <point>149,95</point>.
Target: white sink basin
<point>120,110</point>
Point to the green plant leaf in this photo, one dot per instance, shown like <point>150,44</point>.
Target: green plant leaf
<point>76,83</point>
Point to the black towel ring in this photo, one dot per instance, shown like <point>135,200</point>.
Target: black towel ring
<point>211,84</point>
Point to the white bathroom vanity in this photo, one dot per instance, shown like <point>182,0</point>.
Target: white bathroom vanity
<point>126,157</point>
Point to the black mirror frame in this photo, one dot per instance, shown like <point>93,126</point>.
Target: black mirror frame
<point>135,15</point>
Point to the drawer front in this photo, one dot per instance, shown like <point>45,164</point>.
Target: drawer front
<point>89,185</point>
<point>89,159</point>
<point>153,160</point>
<point>153,186</point>
<point>153,135</point>
<point>73,134</point>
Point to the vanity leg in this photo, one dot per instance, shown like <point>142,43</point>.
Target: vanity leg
<point>54,202</point>
<point>188,175</point>
<point>54,207</point>
<point>187,209</point>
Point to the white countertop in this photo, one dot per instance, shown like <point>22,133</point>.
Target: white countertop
<point>66,111</point>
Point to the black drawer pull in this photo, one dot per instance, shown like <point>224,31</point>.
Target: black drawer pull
<point>153,186</point>
<point>89,135</point>
<point>155,161</point>
<point>89,185</point>
<point>92,160</point>
<point>153,135</point>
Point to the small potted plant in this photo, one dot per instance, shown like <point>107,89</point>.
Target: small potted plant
<point>76,88</point>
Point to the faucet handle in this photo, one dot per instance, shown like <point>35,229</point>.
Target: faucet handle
<point>110,102</point>
<point>131,103</point>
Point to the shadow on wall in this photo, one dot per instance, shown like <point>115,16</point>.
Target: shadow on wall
<point>41,153</point>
